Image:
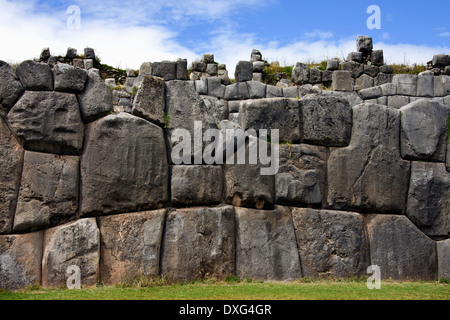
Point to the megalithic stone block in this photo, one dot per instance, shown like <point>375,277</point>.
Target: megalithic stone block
<point>369,175</point>
<point>266,248</point>
<point>199,243</point>
<point>400,250</point>
<point>124,166</point>
<point>11,162</point>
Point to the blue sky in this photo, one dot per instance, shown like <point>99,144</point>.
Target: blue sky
<point>127,33</point>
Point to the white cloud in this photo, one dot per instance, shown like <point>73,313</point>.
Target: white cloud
<point>127,42</point>
<point>444,34</point>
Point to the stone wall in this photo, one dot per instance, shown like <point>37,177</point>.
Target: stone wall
<point>88,181</point>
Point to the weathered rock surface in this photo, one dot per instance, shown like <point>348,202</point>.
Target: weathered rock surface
<point>369,174</point>
<point>266,248</point>
<point>130,246</point>
<point>149,102</point>
<point>274,113</point>
<point>69,79</point>
<point>199,243</point>
<point>75,244</point>
<point>244,71</point>
<point>325,120</point>
<point>124,166</point>
<point>48,122</point>
<point>302,175</point>
<point>443,252</point>
<point>301,74</point>
<point>245,186</point>
<point>197,185</point>
<point>35,75</point>
<point>10,88</point>
<point>11,159</point>
<point>428,205</point>
<point>424,131</point>
<point>20,260</point>
<point>406,84</point>
<point>331,243</point>
<point>400,250</point>
<point>48,193</point>
<point>342,80</point>
<point>96,99</point>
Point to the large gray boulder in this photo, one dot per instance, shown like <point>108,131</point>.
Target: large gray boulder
<point>245,186</point>
<point>364,44</point>
<point>244,71</point>
<point>266,247</point>
<point>10,88</point>
<point>237,91</point>
<point>400,250</point>
<point>425,85</point>
<point>424,131</point>
<point>331,243</point>
<point>197,185</point>
<point>369,174</point>
<point>342,81</point>
<point>35,75</point>
<point>96,99</point>
<point>150,102</point>
<point>20,260</point>
<point>301,74</point>
<point>48,122</point>
<point>275,113</point>
<point>443,252</point>
<point>441,86</point>
<point>302,176</point>
<point>428,205</point>
<point>69,79</point>
<point>441,61</point>
<point>124,166</point>
<point>325,120</point>
<point>48,193</point>
<point>75,244</point>
<point>130,246</point>
<point>256,89</point>
<point>11,160</point>
<point>165,69</point>
<point>406,84</point>
<point>199,243</point>
<point>356,69</point>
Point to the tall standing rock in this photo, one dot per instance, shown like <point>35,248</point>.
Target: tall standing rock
<point>124,166</point>
<point>20,260</point>
<point>10,88</point>
<point>48,122</point>
<point>130,246</point>
<point>96,98</point>
<point>331,243</point>
<point>428,205</point>
<point>266,248</point>
<point>11,159</point>
<point>199,243</point>
<point>400,250</point>
<point>48,193</point>
<point>369,175</point>
<point>301,74</point>
<point>76,244</point>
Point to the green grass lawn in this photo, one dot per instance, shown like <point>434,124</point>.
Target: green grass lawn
<point>244,290</point>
